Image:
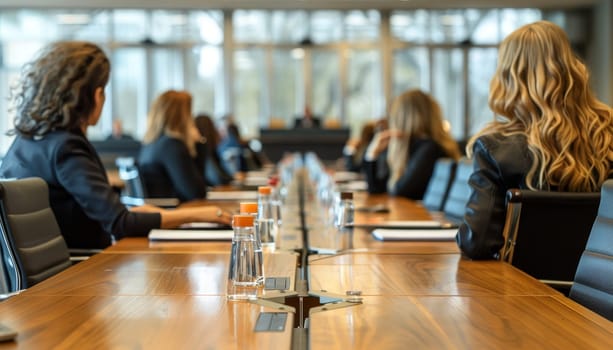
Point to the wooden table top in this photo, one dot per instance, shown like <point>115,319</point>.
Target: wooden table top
<point>137,322</point>
<point>420,274</point>
<point>198,273</point>
<point>457,322</point>
<point>157,299</point>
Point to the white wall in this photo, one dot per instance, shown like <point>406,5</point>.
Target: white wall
<point>601,55</point>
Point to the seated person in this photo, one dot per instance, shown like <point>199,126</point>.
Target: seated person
<point>308,120</point>
<point>554,136</point>
<point>117,132</point>
<point>50,143</point>
<point>168,159</point>
<point>400,160</point>
<point>236,153</point>
<point>214,171</point>
<point>353,152</point>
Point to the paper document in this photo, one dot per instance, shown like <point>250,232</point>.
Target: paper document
<point>190,235</point>
<point>203,225</point>
<point>232,195</point>
<point>404,224</point>
<point>415,235</point>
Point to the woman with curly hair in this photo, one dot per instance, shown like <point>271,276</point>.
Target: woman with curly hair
<point>61,94</point>
<point>553,134</point>
<point>400,160</point>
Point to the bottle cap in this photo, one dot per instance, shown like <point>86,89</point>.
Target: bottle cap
<point>264,190</point>
<point>249,208</point>
<point>241,220</point>
<point>273,180</point>
<point>346,195</point>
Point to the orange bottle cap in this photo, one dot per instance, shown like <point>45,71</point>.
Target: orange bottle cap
<point>242,220</point>
<point>264,189</point>
<point>249,207</point>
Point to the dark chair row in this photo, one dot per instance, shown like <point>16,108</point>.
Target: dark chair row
<point>448,189</point>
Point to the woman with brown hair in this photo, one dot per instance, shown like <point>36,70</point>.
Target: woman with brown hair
<point>400,160</point>
<point>61,94</point>
<point>552,134</point>
<point>168,158</point>
<point>214,171</point>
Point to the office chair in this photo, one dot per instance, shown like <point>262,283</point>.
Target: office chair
<point>593,285</point>
<point>33,248</point>
<point>545,233</point>
<point>455,204</point>
<point>134,192</point>
<point>439,184</point>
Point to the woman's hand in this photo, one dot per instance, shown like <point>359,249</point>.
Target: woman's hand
<point>208,213</point>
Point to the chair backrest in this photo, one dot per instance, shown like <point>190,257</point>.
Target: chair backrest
<point>455,204</point>
<point>593,285</point>
<point>545,232</point>
<point>129,174</point>
<point>31,232</point>
<point>439,184</point>
<point>10,278</point>
<point>134,192</point>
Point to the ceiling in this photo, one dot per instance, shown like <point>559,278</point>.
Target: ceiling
<point>296,4</point>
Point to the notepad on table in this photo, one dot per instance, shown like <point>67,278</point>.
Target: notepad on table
<point>232,195</point>
<point>190,235</point>
<point>405,224</point>
<point>204,226</point>
<point>414,235</point>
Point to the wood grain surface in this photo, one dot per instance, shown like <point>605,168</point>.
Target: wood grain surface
<point>457,322</point>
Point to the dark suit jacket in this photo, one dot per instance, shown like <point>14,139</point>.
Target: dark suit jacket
<point>86,208</point>
<point>168,170</point>
<point>416,175</point>
<point>305,123</point>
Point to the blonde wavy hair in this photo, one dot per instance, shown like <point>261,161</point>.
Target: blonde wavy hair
<point>171,115</point>
<point>415,114</point>
<point>541,90</point>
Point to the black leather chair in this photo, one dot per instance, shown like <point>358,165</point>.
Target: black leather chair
<point>439,184</point>
<point>545,233</point>
<point>593,285</point>
<point>33,248</point>
<point>10,278</point>
<point>134,192</point>
<point>455,204</point>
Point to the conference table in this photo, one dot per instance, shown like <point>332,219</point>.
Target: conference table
<point>141,294</point>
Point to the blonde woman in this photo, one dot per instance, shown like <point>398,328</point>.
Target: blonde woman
<point>553,134</point>
<point>400,160</point>
<point>168,158</point>
<point>61,94</point>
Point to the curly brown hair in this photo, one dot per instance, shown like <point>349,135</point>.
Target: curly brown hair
<point>56,90</point>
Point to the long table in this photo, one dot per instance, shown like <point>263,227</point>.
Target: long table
<point>161,295</point>
<point>143,300</point>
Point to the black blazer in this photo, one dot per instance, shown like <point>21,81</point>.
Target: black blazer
<point>214,172</point>
<point>416,175</point>
<point>168,170</point>
<point>305,123</point>
<point>86,207</point>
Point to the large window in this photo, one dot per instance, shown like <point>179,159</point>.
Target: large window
<point>261,65</point>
